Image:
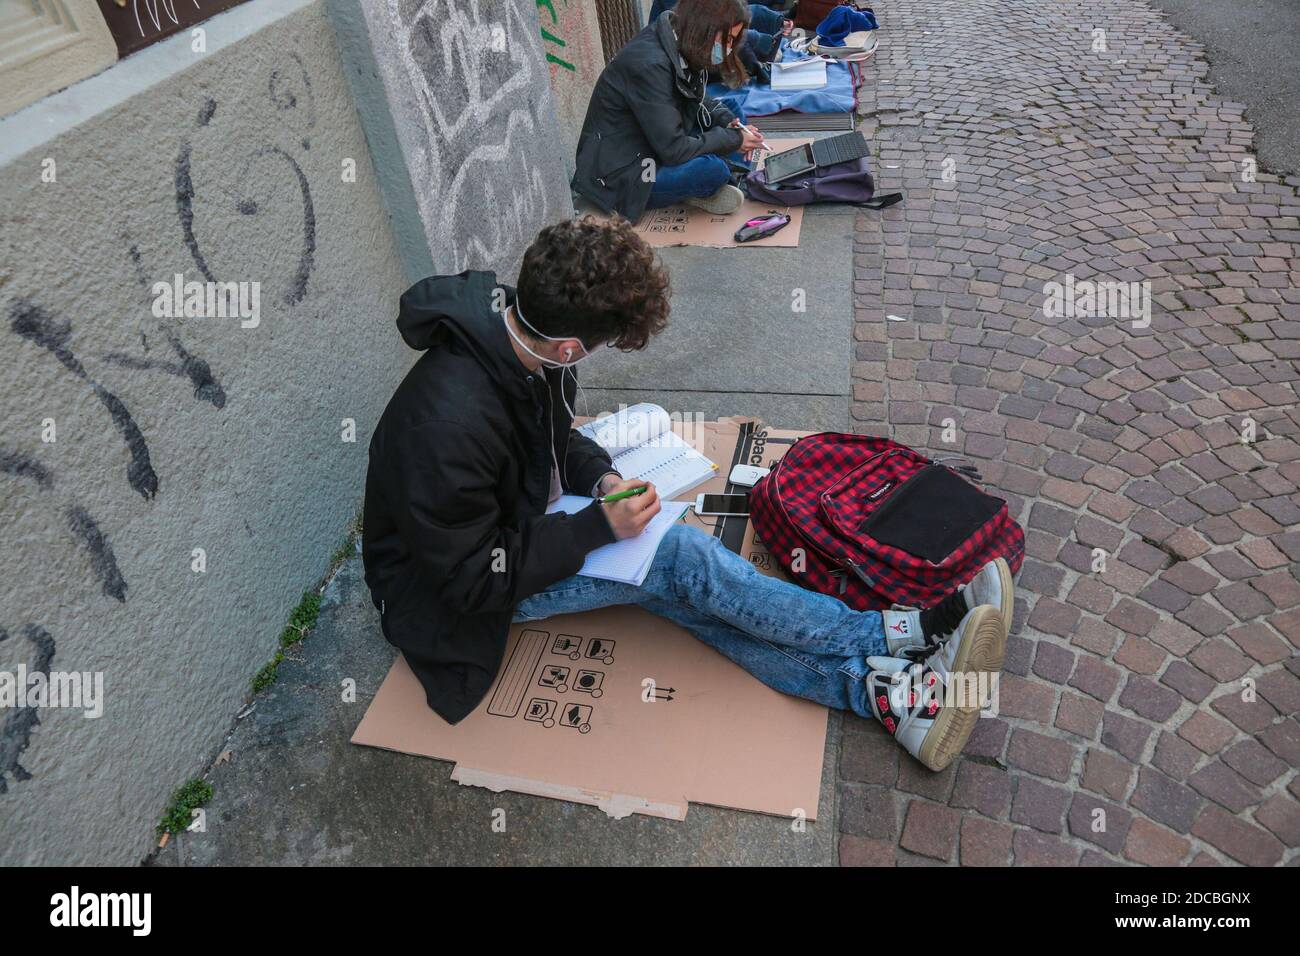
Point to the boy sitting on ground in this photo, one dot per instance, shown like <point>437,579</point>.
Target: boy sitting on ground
<point>478,440</point>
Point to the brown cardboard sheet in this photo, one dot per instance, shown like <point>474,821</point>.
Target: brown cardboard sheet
<point>625,710</point>
<point>689,226</point>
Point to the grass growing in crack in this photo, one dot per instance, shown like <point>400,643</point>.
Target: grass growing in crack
<point>267,675</point>
<point>302,620</point>
<point>185,800</point>
<point>304,617</point>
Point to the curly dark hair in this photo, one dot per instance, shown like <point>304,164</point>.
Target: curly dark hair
<point>697,22</point>
<point>596,281</point>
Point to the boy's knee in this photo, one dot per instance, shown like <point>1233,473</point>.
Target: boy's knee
<point>685,542</point>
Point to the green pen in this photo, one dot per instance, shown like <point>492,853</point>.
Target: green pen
<point>619,496</point>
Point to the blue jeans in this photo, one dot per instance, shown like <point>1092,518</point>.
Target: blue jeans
<point>762,37</point>
<point>698,177</point>
<point>797,641</point>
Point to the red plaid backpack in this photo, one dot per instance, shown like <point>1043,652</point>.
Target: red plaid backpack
<point>875,523</point>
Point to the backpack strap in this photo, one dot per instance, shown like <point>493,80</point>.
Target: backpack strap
<point>880,202</point>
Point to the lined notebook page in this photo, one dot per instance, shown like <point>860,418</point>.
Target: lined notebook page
<point>642,444</point>
<point>628,560</point>
<point>668,461</point>
<point>630,426</point>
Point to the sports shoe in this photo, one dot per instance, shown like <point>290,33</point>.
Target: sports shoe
<point>908,629</point>
<point>930,705</point>
<point>912,629</point>
<point>726,199</point>
<point>992,586</point>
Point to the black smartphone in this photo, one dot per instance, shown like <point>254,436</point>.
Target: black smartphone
<point>722,505</point>
<point>760,227</point>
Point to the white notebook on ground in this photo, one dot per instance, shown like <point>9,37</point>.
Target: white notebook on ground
<point>628,560</point>
<point>642,444</point>
<point>809,74</point>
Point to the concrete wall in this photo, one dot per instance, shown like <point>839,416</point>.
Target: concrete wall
<point>570,35</point>
<point>328,151</point>
<point>176,434</point>
<point>473,113</point>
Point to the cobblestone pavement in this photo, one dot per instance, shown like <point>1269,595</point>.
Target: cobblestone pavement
<point>1162,689</point>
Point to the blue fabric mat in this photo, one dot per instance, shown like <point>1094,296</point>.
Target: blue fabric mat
<point>837,96</point>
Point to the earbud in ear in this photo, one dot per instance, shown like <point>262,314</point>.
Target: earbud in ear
<point>568,354</point>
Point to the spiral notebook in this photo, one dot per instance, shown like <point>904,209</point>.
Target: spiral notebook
<point>628,560</point>
<point>642,444</point>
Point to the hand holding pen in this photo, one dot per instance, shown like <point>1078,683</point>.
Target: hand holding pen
<point>629,506</point>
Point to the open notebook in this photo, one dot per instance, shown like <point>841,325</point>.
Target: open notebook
<point>641,441</point>
<point>628,560</point>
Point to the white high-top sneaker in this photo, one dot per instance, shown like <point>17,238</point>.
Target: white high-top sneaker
<point>931,704</point>
<point>912,629</point>
<point>992,586</point>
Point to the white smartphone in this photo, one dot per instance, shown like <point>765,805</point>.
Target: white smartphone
<point>722,505</point>
<point>747,476</point>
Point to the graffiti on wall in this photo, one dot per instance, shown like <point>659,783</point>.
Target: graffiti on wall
<point>572,39</point>
<point>18,724</point>
<point>258,186</point>
<point>476,70</point>
<point>553,41</point>
<point>135,24</point>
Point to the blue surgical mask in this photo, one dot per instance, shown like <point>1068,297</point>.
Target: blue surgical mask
<point>716,56</point>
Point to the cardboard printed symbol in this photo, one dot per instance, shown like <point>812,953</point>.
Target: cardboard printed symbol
<point>589,682</point>
<point>554,676</point>
<point>577,716</point>
<point>601,650</point>
<point>541,711</point>
<point>517,673</point>
<point>566,645</point>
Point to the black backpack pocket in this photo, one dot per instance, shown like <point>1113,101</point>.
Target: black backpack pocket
<point>932,514</point>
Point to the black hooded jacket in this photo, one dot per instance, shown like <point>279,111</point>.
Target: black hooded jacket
<point>454,528</point>
<point>646,104</point>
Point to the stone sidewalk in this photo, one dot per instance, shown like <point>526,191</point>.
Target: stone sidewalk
<point>1161,687</point>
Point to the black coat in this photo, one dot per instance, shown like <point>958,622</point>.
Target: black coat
<point>454,527</point>
<point>646,104</point>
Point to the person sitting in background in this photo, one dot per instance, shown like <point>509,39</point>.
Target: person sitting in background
<point>762,39</point>
<point>653,136</point>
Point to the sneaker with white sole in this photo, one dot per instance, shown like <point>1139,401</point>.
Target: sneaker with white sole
<point>930,699</point>
<point>726,199</point>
